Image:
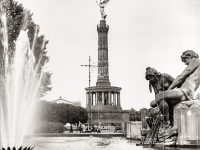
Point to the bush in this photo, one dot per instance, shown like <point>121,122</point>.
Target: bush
<point>135,115</point>
<point>50,127</point>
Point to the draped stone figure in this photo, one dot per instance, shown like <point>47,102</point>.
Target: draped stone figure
<point>183,87</point>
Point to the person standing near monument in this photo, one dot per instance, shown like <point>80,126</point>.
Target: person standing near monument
<point>71,128</point>
<point>183,87</point>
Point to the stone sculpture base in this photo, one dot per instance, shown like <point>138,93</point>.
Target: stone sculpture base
<point>187,120</point>
<point>133,130</point>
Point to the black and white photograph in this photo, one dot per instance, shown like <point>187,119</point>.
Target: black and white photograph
<point>99,74</point>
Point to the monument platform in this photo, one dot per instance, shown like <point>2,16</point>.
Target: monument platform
<point>78,135</point>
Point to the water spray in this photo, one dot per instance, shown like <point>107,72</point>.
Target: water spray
<point>19,86</point>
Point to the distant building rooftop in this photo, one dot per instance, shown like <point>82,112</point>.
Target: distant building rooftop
<point>64,101</point>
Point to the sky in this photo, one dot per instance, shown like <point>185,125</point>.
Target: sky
<point>142,33</point>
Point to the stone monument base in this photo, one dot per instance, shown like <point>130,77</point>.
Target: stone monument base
<point>110,117</point>
<point>187,120</point>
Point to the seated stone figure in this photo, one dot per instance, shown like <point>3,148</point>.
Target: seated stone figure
<point>183,87</point>
<point>159,82</point>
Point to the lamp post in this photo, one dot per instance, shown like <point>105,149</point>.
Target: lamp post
<point>89,97</point>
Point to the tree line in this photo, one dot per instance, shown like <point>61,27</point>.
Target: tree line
<point>62,113</point>
<point>136,115</point>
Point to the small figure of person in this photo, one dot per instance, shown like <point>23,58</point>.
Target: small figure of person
<point>71,129</point>
<point>80,129</point>
<point>83,128</point>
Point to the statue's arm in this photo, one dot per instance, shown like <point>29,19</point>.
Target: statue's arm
<point>168,77</point>
<point>155,89</point>
<point>193,65</point>
<point>150,87</point>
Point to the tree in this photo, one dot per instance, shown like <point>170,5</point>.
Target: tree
<point>63,113</point>
<point>19,19</point>
<point>135,115</point>
<point>15,15</point>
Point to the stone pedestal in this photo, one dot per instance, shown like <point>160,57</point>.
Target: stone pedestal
<point>133,130</point>
<point>187,119</point>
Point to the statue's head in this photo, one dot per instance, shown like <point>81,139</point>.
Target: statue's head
<point>188,55</point>
<point>152,74</point>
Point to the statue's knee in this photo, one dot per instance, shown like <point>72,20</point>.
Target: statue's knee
<point>153,103</point>
<point>163,104</point>
<point>183,98</point>
<point>164,108</point>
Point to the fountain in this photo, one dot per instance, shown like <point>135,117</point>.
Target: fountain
<point>14,148</point>
<point>19,87</point>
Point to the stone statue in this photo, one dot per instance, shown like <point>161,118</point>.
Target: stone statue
<point>183,87</point>
<point>169,93</point>
<point>102,4</point>
<point>159,82</point>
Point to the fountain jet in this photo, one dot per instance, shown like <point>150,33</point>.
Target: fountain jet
<point>21,148</point>
<point>19,88</point>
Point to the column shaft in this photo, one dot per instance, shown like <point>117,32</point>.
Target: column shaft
<point>86,99</point>
<point>119,99</point>
<point>103,98</point>
<point>96,98</point>
<point>114,98</point>
<point>91,99</point>
<point>109,102</point>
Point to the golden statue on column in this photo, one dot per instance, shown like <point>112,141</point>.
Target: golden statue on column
<point>102,4</point>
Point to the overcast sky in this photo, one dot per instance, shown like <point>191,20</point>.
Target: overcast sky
<point>142,33</point>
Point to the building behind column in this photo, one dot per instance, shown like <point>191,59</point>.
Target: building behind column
<point>104,101</point>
